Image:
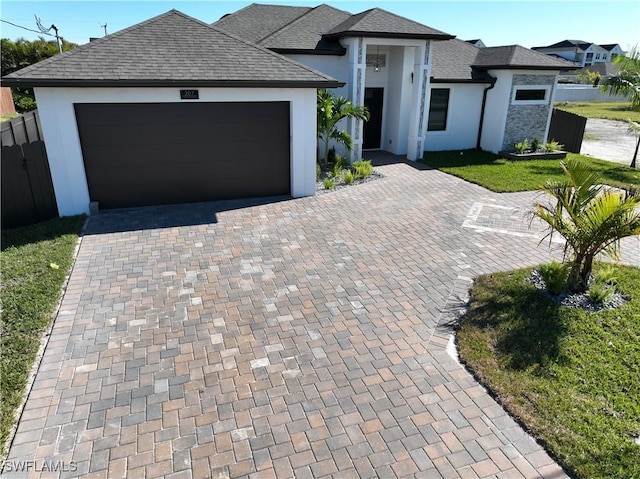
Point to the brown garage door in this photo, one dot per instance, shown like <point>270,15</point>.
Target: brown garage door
<point>140,154</point>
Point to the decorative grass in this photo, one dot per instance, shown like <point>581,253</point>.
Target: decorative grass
<point>502,175</point>
<point>620,111</point>
<point>570,376</point>
<point>30,290</point>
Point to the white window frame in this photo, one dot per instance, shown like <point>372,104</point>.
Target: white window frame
<point>545,101</point>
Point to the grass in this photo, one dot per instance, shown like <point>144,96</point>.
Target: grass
<point>620,111</point>
<point>29,293</point>
<point>502,175</point>
<point>571,377</point>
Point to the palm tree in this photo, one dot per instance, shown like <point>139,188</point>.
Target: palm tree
<point>591,219</point>
<point>626,83</point>
<point>331,110</point>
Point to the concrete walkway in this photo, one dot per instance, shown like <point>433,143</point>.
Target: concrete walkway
<point>297,338</point>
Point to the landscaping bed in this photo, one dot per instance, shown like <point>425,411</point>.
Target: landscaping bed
<point>569,375</point>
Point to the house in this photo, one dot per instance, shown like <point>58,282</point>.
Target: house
<point>477,43</point>
<point>425,89</point>
<point>582,53</point>
<point>174,110</point>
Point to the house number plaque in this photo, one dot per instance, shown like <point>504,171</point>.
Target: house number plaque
<point>189,95</point>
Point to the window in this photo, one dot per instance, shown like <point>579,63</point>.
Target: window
<point>438,109</point>
<point>531,94</point>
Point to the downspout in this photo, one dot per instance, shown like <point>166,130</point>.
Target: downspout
<point>484,104</point>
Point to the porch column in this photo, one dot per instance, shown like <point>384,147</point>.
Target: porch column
<point>420,101</point>
<point>357,70</point>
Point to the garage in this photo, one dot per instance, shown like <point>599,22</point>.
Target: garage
<point>172,110</point>
<point>141,154</point>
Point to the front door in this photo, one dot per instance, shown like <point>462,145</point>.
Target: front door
<point>373,128</point>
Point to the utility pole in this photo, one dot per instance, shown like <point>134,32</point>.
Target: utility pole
<point>47,30</point>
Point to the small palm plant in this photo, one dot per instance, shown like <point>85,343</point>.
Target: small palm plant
<point>591,219</point>
<point>331,110</point>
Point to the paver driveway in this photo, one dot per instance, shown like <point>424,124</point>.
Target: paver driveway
<point>291,339</point>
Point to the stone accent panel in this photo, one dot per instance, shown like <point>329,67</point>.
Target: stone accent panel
<point>527,121</point>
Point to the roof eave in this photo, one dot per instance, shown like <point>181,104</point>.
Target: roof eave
<point>405,36</point>
<point>523,67</point>
<point>307,51</point>
<point>119,83</point>
<point>459,80</point>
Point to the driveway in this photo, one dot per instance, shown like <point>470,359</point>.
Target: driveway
<point>608,140</point>
<point>297,338</point>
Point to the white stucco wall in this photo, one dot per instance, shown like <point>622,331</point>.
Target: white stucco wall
<point>463,118</point>
<point>495,114</point>
<point>333,65</point>
<point>57,117</point>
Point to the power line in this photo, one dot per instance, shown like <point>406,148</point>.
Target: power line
<point>25,28</point>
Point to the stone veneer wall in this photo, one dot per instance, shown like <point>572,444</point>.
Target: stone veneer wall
<point>527,121</point>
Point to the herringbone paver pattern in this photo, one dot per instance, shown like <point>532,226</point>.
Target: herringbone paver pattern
<point>300,338</point>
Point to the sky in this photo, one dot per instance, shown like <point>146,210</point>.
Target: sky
<point>495,22</point>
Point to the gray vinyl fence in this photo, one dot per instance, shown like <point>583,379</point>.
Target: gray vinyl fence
<point>27,190</point>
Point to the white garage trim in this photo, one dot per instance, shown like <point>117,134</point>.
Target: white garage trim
<point>57,117</point>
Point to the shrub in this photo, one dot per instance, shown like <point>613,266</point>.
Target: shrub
<point>338,165</point>
<point>608,274</point>
<point>552,145</point>
<point>318,172</point>
<point>555,276</point>
<point>329,183</point>
<point>535,144</point>
<point>600,292</point>
<point>362,168</point>
<point>522,146</point>
<point>348,177</point>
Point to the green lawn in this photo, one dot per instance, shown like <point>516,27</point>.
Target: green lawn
<point>572,377</point>
<point>607,110</point>
<point>29,292</point>
<point>501,175</point>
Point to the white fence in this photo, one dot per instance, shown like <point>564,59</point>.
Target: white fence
<point>574,92</point>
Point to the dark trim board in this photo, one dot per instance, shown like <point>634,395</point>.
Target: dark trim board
<point>142,154</point>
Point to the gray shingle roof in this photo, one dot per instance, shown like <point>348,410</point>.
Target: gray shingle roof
<point>317,30</point>
<point>382,24</point>
<point>516,57</point>
<point>566,45</point>
<point>306,32</point>
<point>170,49</point>
<point>256,22</point>
<point>452,61</point>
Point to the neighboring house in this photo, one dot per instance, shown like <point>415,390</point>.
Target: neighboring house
<point>425,90</point>
<point>582,53</point>
<point>477,43</point>
<point>614,51</point>
<point>174,110</point>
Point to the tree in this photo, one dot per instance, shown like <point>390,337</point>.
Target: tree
<point>626,83</point>
<point>591,218</point>
<point>21,53</point>
<point>331,110</point>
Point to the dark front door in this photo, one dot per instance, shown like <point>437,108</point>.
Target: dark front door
<point>162,153</point>
<point>373,127</point>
